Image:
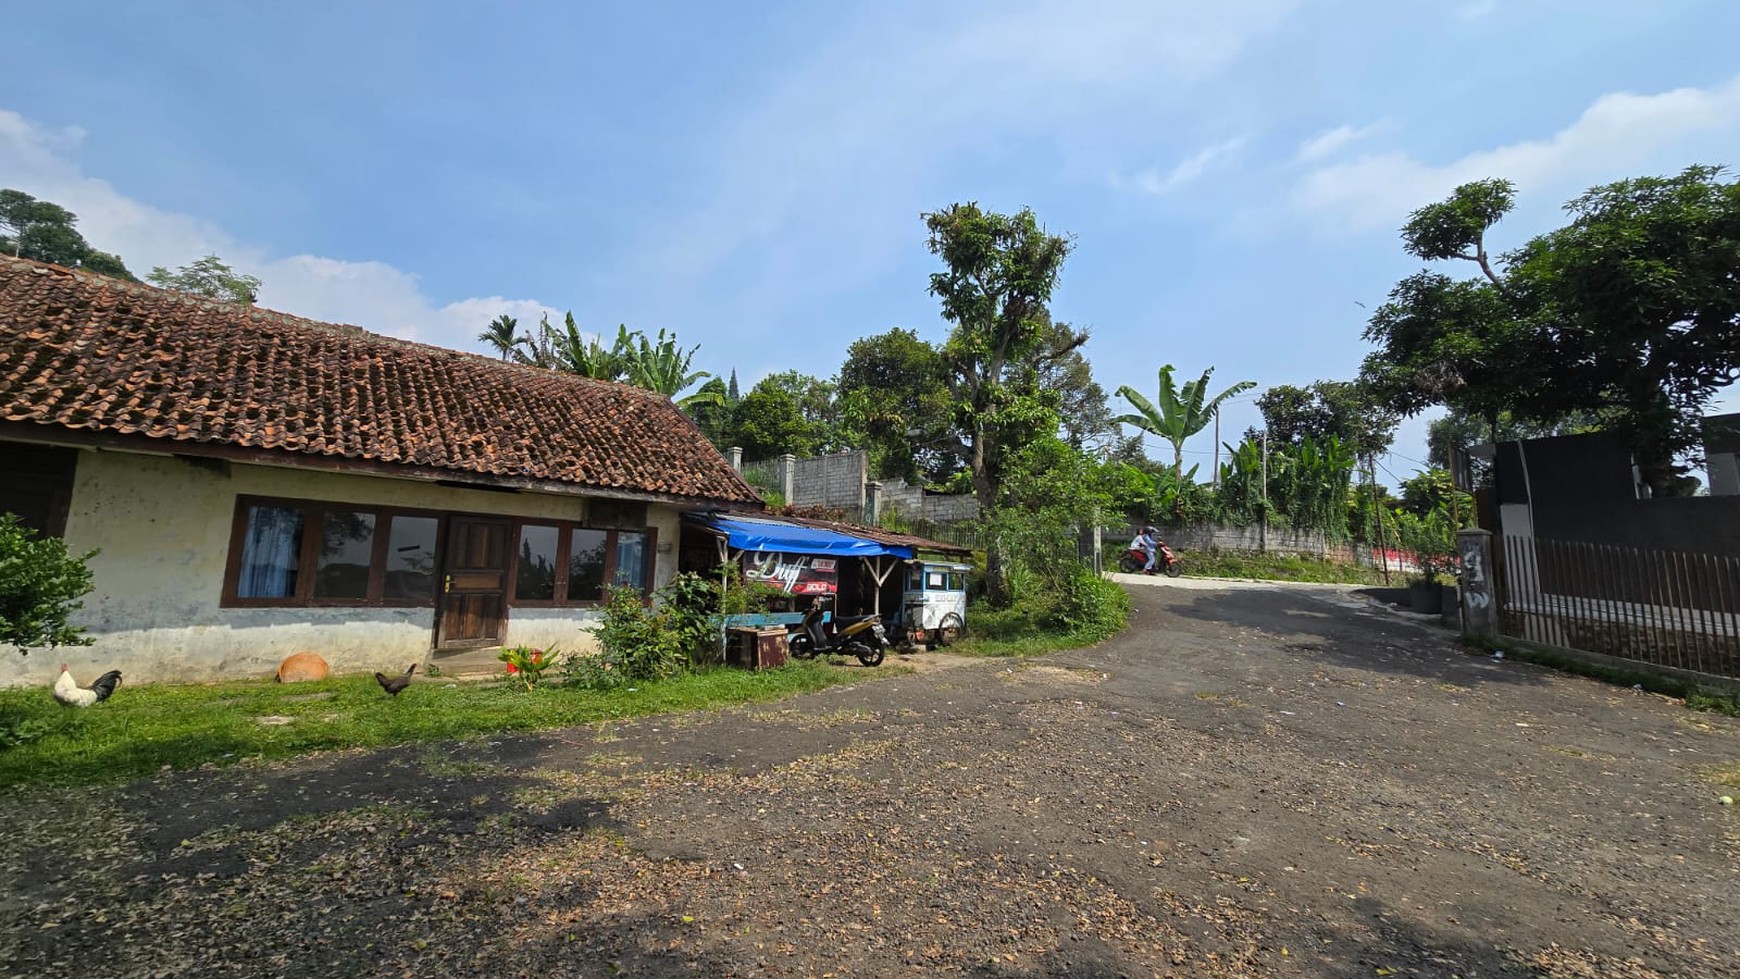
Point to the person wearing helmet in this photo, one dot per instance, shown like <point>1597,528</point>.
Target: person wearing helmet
<point>1148,542</point>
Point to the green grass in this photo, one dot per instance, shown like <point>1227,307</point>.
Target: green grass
<point>1696,696</point>
<point>148,727</point>
<point>1024,630</point>
<point>1281,567</point>
<point>1727,776</point>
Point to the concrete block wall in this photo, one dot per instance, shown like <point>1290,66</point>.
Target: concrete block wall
<point>833,481</point>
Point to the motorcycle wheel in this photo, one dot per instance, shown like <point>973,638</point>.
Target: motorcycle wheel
<point>952,630</point>
<point>801,647</point>
<point>868,655</point>
<point>1174,569</point>
<point>1129,565</point>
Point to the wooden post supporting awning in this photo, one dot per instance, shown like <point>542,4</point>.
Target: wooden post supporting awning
<point>880,567</point>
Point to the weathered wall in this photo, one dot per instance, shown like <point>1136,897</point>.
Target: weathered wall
<point>833,481</point>
<point>913,501</point>
<point>1201,536</point>
<point>162,526</point>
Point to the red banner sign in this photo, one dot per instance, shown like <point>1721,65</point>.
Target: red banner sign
<point>794,574</point>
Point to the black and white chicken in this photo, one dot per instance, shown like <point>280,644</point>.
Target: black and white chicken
<point>73,695</point>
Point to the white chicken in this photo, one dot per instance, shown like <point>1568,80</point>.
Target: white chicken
<point>73,695</point>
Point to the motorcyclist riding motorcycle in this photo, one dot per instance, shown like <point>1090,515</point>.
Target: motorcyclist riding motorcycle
<point>1148,542</point>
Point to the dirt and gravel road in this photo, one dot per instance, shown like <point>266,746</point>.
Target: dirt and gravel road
<point>1250,782</point>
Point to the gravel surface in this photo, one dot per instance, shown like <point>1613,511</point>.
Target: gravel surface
<point>1250,782</point>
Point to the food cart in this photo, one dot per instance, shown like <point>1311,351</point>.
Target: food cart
<point>934,604</point>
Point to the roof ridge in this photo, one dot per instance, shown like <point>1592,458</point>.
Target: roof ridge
<point>84,350</point>
<point>275,317</point>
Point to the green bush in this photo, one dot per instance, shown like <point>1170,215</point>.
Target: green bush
<point>638,643</point>
<point>40,585</point>
<point>1088,606</point>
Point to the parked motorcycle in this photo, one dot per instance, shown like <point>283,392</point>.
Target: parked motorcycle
<point>1133,561</point>
<point>856,635</point>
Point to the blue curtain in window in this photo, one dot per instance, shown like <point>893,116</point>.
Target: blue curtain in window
<point>631,560</point>
<point>270,553</point>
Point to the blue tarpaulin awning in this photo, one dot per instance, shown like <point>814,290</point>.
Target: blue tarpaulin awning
<point>763,534</point>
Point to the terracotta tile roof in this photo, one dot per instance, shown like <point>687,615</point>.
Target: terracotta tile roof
<point>109,357</point>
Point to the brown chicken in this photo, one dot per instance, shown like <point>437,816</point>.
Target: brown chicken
<point>395,684</point>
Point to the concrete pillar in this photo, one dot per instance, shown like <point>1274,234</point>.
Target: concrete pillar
<point>786,471</point>
<point>1478,595</point>
<point>736,456</point>
<point>873,502</point>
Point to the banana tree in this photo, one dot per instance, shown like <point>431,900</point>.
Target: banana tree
<point>1180,414</point>
<point>663,366</point>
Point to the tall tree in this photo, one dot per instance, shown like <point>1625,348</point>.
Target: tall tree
<point>211,278</point>
<point>1322,409</point>
<point>1639,302</point>
<point>46,232</point>
<point>769,421</point>
<point>1179,413</point>
<point>894,400</point>
<point>503,333</point>
<point>1000,273</point>
<point>1084,418</point>
<point>1630,314</point>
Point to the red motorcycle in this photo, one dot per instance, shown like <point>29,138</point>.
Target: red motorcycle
<point>1134,561</point>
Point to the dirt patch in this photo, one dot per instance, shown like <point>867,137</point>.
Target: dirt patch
<point>1235,788</point>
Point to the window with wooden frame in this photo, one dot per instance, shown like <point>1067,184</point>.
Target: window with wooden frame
<point>558,564</point>
<point>302,553</point>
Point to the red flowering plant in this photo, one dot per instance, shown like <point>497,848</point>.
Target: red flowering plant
<point>527,664</point>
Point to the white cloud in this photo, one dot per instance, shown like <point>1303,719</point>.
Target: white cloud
<point>855,136</point>
<point>1186,171</point>
<point>373,295</point>
<point>1617,134</point>
<point>1326,143</point>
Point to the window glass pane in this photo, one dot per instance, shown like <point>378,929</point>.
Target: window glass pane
<point>270,552</point>
<point>915,580</point>
<point>630,560</point>
<point>410,575</point>
<point>957,581</point>
<point>586,565</point>
<point>347,544</point>
<point>933,581</point>
<point>536,581</point>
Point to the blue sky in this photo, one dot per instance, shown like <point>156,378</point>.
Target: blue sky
<point>752,175</point>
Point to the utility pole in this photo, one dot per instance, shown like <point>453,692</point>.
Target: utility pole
<point>1263,529</point>
<point>1377,512</point>
<point>1217,446</point>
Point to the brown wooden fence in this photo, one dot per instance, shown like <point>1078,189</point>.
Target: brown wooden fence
<point>1664,608</point>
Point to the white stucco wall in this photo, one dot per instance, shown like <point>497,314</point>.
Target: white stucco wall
<point>163,525</point>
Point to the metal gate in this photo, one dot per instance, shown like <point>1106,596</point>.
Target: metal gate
<point>1664,608</point>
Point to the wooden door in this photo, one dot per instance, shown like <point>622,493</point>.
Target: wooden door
<point>473,584</point>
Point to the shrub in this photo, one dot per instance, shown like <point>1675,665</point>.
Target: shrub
<point>40,585</point>
<point>638,642</point>
<point>591,672</point>
<point>1088,606</point>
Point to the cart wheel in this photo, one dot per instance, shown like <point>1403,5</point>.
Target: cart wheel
<point>801,648</point>
<point>952,630</point>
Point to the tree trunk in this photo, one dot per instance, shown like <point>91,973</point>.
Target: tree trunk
<point>996,580</point>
